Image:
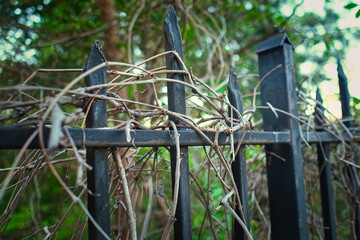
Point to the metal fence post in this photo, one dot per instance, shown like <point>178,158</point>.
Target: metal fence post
<point>238,167</point>
<point>327,200</point>
<point>352,171</point>
<point>97,178</point>
<point>176,102</point>
<point>284,161</point>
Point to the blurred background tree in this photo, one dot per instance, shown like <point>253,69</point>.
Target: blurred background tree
<point>58,34</point>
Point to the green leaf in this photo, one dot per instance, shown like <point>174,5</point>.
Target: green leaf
<point>355,99</point>
<point>350,5</point>
<point>357,14</point>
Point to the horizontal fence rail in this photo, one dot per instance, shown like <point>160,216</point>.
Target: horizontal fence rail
<point>15,137</point>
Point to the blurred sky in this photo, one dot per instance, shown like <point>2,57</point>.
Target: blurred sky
<point>351,63</point>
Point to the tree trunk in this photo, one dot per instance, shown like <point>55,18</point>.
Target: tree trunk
<point>111,37</point>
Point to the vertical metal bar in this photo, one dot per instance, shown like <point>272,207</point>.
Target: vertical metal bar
<point>352,172</point>
<point>344,95</point>
<point>238,167</point>
<point>176,102</point>
<point>97,178</point>
<point>327,200</point>
<point>285,174</point>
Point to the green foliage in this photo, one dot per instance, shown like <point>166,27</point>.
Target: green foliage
<point>356,107</point>
<point>352,5</point>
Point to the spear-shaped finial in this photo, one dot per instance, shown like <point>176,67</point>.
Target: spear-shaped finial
<point>95,58</point>
<point>344,91</point>
<point>319,98</point>
<point>319,109</point>
<point>173,40</point>
<point>234,91</point>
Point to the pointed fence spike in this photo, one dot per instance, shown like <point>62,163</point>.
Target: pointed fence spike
<point>97,178</point>
<point>318,95</point>
<point>173,39</point>
<point>323,153</point>
<point>173,42</point>
<point>238,167</point>
<point>234,93</point>
<point>319,114</point>
<point>176,103</point>
<point>285,178</point>
<point>352,171</point>
<point>95,58</point>
<point>344,93</point>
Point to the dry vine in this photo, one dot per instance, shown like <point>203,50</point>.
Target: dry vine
<point>134,171</point>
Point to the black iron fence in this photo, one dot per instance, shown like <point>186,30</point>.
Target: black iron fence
<point>282,136</point>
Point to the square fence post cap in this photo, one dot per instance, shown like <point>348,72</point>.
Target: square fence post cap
<point>274,42</point>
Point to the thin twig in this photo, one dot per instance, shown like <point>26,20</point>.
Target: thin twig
<point>125,187</point>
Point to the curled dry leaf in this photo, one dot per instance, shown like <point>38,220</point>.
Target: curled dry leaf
<point>56,134</point>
